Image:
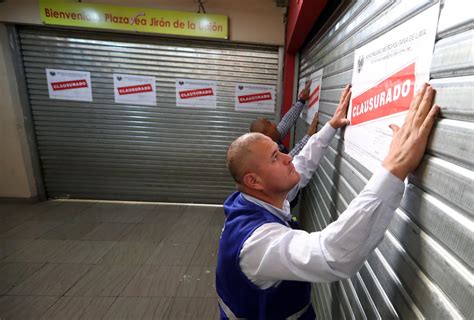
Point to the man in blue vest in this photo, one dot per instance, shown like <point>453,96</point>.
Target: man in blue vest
<point>265,266</point>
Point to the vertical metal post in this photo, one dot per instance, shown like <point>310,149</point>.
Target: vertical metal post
<point>20,79</point>
<point>279,96</point>
<point>295,95</point>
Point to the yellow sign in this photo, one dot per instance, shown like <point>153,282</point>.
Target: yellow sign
<point>92,15</point>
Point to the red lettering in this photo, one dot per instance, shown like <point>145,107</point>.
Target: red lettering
<point>390,96</point>
<point>135,89</point>
<point>196,93</point>
<point>67,85</point>
<point>255,97</point>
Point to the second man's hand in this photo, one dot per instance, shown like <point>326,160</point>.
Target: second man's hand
<point>313,127</point>
<point>304,94</point>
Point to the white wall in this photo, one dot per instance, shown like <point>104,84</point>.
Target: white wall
<point>16,174</point>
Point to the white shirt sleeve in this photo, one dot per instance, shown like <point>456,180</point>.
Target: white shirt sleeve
<point>275,252</point>
<point>307,160</point>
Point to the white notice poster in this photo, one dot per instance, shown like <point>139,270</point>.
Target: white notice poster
<point>387,73</point>
<point>131,89</point>
<point>312,105</point>
<point>195,93</point>
<point>254,98</point>
<point>69,85</point>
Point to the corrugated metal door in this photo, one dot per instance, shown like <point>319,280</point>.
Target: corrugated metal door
<point>103,150</point>
<point>423,267</point>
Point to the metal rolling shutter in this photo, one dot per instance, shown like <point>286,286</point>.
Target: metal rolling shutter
<point>423,267</point>
<point>103,150</point>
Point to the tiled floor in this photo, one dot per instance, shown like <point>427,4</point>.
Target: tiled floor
<point>108,260</point>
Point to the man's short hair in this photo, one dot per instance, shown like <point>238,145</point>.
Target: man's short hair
<point>258,125</point>
<point>239,152</point>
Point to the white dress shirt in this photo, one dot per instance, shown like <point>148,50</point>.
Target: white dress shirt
<point>275,252</point>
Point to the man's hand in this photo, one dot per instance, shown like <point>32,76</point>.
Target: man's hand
<point>409,142</point>
<point>313,127</point>
<point>339,119</point>
<point>304,95</point>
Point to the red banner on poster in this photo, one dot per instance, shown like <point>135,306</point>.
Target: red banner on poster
<point>196,93</point>
<point>135,89</point>
<point>66,85</point>
<point>314,97</point>
<point>390,96</point>
<point>255,97</point>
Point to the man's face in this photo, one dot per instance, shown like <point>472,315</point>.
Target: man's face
<point>274,168</point>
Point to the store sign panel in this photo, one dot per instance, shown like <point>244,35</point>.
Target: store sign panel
<point>101,16</point>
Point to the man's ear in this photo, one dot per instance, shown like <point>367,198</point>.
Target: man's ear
<point>252,181</point>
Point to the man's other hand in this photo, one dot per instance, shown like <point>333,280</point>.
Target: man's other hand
<point>313,127</point>
<point>304,95</point>
<point>339,119</point>
<point>409,142</point>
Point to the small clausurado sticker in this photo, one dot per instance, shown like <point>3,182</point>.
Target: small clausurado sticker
<point>254,98</point>
<point>135,90</point>
<point>69,84</point>
<point>196,93</point>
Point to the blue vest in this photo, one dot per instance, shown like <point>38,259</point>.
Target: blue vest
<point>236,291</point>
